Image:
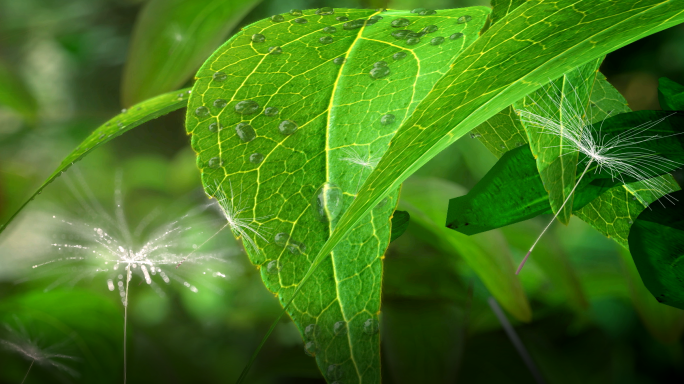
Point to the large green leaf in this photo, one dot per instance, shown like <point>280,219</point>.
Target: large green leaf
<point>288,118</point>
<point>565,102</point>
<point>124,122</point>
<point>487,254</point>
<point>170,41</point>
<point>656,242</point>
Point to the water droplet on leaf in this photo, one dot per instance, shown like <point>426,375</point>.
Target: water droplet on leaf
<point>427,12</point>
<point>310,331</point>
<point>296,248</point>
<point>325,11</point>
<point>371,326</point>
<point>326,39</point>
<point>399,55</point>
<point>339,60</point>
<point>256,158</point>
<point>214,162</point>
<point>328,202</point>
<point>456,35</point>
<point>202,111</point>
<point>295,12</point>
<point>329,29</point>
<point>412,40</point>
<point>401,35</point>
<point>271,111</point>
<point>387,119</point>
<point>341,18</point>
<point>398,23</point>
<point>301,21</point>
<point>437,40</point>
<point>214,127</point>
<point>277,18</point>
<point>340,328</point>
<point>245,132</point>
<point>463,19</point>
<point>247,107</point>
<point>220,103</point>
<point>310,348</point>
<point>379,64</point>
<point>219,76</point>
<point>281,239</point>
<point>334,372</point>
<point>379,72</point>
<point>354,24</point>
<point>287,127</point>
<point>272,267</point>
<point>275,50</point>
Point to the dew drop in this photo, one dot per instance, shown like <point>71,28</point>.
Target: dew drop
<point>415,34</point>
<point>275,50</point>
<point>310,348</point>
<point>379,64</point>
<point>247,107</point>
<point>256,158</point>
<point>219,76</point>
<point>281,239</point>
<point>329,29</point>
<point>310,331</point>
<point>334,372</point>
<point>371,326</point>
<point>325,11</point>
<point>399,55</point>
<point>464,19</point>
<point>288,127</point>
<point>340,328</point>
<point>412,40</point>
<point>339,60</point>
<point>214,162</point>
<point>373,19</point>
<point>214,127</point>
<point>427,12</point>
<point>124,110</point>
<point>301,20</point>
<point>272,267</point>
<point>342,18</point>
<point>399,23</point>
<point>430,29</point>
<point>418,10</point>
<point>245,132</point>
<point>296,248</point>
<point>328,202</point>
<point>271,111</point>
<point>456,35</point>
<point>437,40</point>
<point>354,24</point>
<point>295,12</point>
<point>387,119</point>
<point>220,103</point>
<point>326,39</point>
<point>202,111</point>
<point>401,34</point>
<point>277,18</point>
<point>379,72</point>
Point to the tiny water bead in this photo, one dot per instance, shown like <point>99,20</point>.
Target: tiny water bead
<point>275,50</point>
<point>245,132</point>
<point>463,19</point>
<point>412,40</point>
<point>310,331</point>
<point>215,127</point>
<point>339,60</point>
<point>427,12</point>
<point>256,158</point>
<point>399,55</point>
<point>272,267</point>
<point>430,29</point>
<point>415,34</point>
<point>373,19</point>
<point>277,18</point>
<point>354,24</point>
<point>296,248</point>
<point>219,76</point>
<point>342,18</point>
<point>258,38</point>
<point>295,12</point>
<point>387,119</point>
<point>281,239</point>
<point>287,127</point>
<point>418,10</point>
<point>340,328</point>
<point>202,111</point>
<point>220,103</point>
<point>214,162</point>
<point>379,72</point>
<point>401,34</point>
<point>371,326</point>
<point>325,11</point>
<point>326,40</point>
<point>310,348</point>
<point>328,202</point>
<point>247,107</point>
<point>334,372</point>
<point>379,64</point>
<point>437,40</point>
<point>271,111</point>
<point>456,36</point>
<point>399,23</point>
<point>329,29</point>
<point>301,20</point>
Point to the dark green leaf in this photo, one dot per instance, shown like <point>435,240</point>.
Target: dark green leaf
<point>670,95</point>
<point>170,41</point>
<point>400,221</point>
<point>656,242</point>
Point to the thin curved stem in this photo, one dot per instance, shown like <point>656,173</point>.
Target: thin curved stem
<point>128,279</point>
<point>29,370</point>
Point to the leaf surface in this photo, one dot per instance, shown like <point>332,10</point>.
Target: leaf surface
<point>670,94</point>
<point>289,118</point>
<point>124,122</point>
<point>171,39</point>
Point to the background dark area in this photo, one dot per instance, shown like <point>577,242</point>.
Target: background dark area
<point>70,55</point>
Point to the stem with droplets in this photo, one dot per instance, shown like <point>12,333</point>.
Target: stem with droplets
<point>522,263</point>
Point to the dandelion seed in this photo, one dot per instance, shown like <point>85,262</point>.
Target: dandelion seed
<point>620,155</point>
<point>368,162</point>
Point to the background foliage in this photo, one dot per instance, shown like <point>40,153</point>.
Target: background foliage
<point>62,68</point>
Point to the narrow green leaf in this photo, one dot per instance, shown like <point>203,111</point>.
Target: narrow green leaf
<point>487,254</point>
<point>171,39</point>
<point>656,241</point>
<point>670,94</point>
<point>565,101</point>
<point>288,118</point>
<point>400,221</point>
<point>124,122</point>
<point>15,94</point>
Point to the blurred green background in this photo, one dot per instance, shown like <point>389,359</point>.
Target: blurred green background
<point>66,66</point>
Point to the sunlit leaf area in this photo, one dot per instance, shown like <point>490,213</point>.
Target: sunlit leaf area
<point>341,191</point>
